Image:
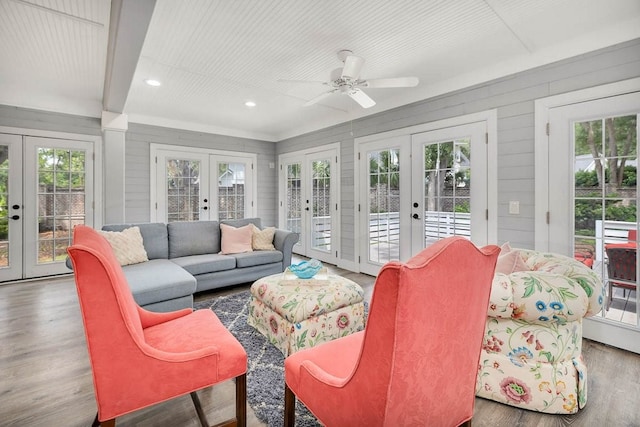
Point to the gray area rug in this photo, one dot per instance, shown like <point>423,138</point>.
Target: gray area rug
<point>265,376</point>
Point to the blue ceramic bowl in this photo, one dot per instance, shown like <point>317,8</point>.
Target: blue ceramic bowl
<point>306,269</point>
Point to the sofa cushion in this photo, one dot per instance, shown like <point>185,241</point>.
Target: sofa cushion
<point>249,259</point>
<point>127,245</point>
<point>154,237</point>
<point>193,238</point>
<point>158,280</point>
<point>207,263</point>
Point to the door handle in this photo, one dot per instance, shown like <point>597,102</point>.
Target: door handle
<point>15,207</point>
<point>306,209</point>
<point>415,216</point>
<point>15,217</point>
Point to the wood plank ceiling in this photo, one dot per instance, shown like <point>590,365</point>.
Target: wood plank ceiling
<point>213,55</point>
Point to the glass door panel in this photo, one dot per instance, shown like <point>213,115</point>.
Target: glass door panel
<point>182,178</point>
<point>593,203</point>
<point>446,201</point>
<point>605,203</point>
<point>321,205</point>
<point>383,205</point>
<point>447,190</point>
<point>11,212</point>
<point>59,196</point>
<point>308,202</point>
<point>232,189</point>
<point>61,200</point>
<point>293,201</point>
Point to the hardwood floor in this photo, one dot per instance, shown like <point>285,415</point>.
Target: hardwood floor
<point>45,377</point>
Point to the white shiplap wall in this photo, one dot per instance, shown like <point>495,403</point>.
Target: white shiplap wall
<point>513,97</point>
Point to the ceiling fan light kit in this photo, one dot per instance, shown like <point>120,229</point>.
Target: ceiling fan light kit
<point>346,81</point>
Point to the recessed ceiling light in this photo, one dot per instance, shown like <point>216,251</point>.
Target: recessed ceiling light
<point>152,82</point>
<point>250,104</point>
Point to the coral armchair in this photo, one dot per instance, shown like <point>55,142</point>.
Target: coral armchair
<point>416,361</point>
<point>138,357</point>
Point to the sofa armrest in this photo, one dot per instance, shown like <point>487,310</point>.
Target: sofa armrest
<point>283,241</point>
<point>537,296</point>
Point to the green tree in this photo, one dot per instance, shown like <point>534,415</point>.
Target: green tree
<point>445,163</point>
<point>610,142</point>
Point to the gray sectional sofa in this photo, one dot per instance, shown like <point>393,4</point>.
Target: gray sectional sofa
<point>184,259</point>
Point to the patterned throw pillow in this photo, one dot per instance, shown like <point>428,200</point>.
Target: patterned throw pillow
<point>262,240</point>
<point>127,245</point>
<point>235,240</point>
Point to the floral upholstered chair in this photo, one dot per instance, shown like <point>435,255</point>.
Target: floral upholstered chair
<point>531,356</point>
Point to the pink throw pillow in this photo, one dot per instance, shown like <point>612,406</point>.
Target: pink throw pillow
<point>510,261</point>
<point>236,240</point>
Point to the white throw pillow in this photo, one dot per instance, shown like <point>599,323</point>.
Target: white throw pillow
<point>127,245</point>
<point>262,240</point>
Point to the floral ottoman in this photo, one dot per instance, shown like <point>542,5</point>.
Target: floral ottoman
<point>295,314</point>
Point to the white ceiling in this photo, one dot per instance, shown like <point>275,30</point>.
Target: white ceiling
<point>213,55</point>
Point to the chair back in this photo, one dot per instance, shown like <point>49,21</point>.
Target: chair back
<point>110,315</point>
<point>621,266</point>
<point>425,332</point>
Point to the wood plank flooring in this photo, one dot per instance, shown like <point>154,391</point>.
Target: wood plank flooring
<point>45,377</point>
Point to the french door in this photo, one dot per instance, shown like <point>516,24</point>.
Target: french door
<point>309,202</point>
<point>418,188</point>
<point>196,185</point>
<point>46,188</point>
<point>593,201</point>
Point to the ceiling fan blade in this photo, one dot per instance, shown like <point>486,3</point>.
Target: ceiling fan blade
<point>352,66</point>
<point>318,98</point>
<point>361,98</point>
<point>392,82</point>
<point>301,81</point>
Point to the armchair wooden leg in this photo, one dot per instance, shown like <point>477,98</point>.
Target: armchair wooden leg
<point>240,420</point>
<point>201,415</point>
<point>241,400</point>
<point>108,423</point>
<point>289,407</point>
<point>466,424</point>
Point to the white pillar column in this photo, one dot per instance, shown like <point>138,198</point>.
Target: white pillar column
<point>114,127</point>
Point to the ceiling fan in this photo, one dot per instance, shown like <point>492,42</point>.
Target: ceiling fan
<point>347,81</point>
